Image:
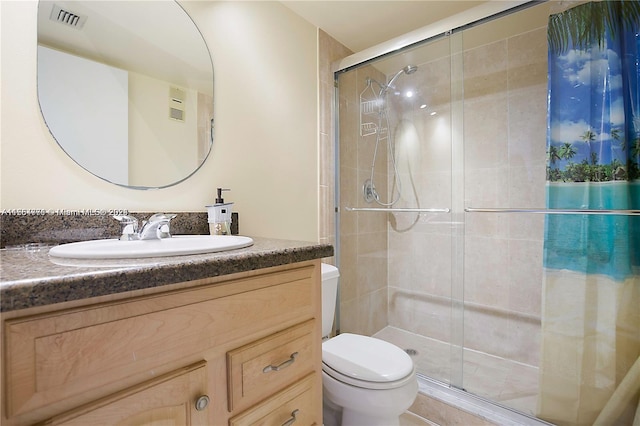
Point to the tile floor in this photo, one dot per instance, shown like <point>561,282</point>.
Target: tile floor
<point>509,383</point>
<point>410,419</point>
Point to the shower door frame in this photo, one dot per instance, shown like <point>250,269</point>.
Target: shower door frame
<point>453,30</point>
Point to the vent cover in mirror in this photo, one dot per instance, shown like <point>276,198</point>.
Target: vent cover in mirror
<point>67,17</point>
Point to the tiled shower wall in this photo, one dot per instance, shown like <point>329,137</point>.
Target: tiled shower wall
<point>363,235</point>
<point>329,50</point>
<point>397,269</point>
<point>505,158</point>
<point>363,238</point>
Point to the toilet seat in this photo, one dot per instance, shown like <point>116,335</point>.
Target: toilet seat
<point>366,362</point>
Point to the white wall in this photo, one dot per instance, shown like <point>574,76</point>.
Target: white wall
<point>265,65</point>
<point>98,136</point>
<point>154,138</point>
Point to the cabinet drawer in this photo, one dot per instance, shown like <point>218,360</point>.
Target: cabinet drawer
<point>169,400</point>
<point>88,353</point>
<point>260,368</point>
<point>296,405</point>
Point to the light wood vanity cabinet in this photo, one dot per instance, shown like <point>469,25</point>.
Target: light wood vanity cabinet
<point>167,400</point>
<point>237,350</point>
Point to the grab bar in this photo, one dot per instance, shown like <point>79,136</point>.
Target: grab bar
<point>553,211</point>
<point>396,210</point>
<point>497,210</point>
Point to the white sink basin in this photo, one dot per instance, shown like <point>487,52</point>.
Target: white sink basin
<point>174,246</point>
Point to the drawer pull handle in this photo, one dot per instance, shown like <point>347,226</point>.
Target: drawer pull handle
<point>292,419</point>
<point>202,402</point>
<point>282,366</point>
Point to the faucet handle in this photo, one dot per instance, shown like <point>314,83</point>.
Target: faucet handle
<point>161,216</point>
<point>158,224</point>
<point>164,231</point>
<point>128,227</point>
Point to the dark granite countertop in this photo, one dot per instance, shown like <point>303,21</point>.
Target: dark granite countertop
<point>29,277</point>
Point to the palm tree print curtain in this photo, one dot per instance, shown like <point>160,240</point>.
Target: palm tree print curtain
<point>591,296</point>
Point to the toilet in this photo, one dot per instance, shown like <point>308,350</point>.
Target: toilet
<point>365,381</point>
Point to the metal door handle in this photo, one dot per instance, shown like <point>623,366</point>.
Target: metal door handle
<point>291,420</point>
<point>281,366</point>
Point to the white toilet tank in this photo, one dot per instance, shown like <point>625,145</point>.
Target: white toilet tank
<point>330,275</point>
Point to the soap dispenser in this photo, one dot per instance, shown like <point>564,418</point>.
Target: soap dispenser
<point>220,215</point>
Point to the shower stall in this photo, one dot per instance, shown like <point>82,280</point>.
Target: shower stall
<point>442,188</point>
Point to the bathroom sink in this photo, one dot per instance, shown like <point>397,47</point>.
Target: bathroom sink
<point>174,246</point>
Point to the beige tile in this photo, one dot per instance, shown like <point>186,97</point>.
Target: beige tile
<point>435,136</point>
<point>348,270</point>
<point>526,187</point>
<point>527,121</point>
<point>349,196</point>
<point>401,309</point>
<point>520,388</point>
<point>348,135</point>
<point>485,70</point>
<point>527,59</point>
<point>376,315</point>
<point>443,414</point>
<point>526,275</point>
<point>526,227</point>
<point>486,279</point>
<point>372,268</point>
<point>433,317</point>
<point>349,316</point>
<point>411,419</point>
<point>486,330</point>
<point>486,131</point>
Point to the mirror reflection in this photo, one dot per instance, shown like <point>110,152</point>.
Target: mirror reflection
<point>126,88</point>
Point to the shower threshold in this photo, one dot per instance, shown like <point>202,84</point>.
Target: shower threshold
<point>477,406</point>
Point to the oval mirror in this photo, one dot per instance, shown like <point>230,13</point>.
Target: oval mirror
<point>126,88</point>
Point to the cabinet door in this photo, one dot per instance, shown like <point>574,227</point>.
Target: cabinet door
<point>70,358</point>
<point>174,399</point>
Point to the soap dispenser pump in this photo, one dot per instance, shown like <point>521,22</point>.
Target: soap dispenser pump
<point>219,215</point>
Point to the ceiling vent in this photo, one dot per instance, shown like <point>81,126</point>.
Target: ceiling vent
<point>67,17</point>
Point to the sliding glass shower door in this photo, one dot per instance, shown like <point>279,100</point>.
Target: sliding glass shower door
<point>445,160</point>
<point>396,233</point>
<point>505,88</point>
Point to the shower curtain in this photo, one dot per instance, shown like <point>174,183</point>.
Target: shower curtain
<point>591,292</point>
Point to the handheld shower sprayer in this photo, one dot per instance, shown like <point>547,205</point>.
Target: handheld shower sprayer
<point>369,189</point>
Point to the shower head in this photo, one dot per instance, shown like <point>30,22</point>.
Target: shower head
<point>409,69</point>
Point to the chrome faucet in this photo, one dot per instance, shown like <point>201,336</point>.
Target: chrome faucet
<point>129,227</point>
<point>156,227</point>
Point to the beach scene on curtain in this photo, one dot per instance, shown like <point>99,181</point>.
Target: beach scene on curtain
<point>590,320</point>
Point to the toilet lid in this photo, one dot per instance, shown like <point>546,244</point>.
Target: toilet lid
<point>366,358</point>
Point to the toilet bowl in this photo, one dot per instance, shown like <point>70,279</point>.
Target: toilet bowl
<point>366,381</point>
